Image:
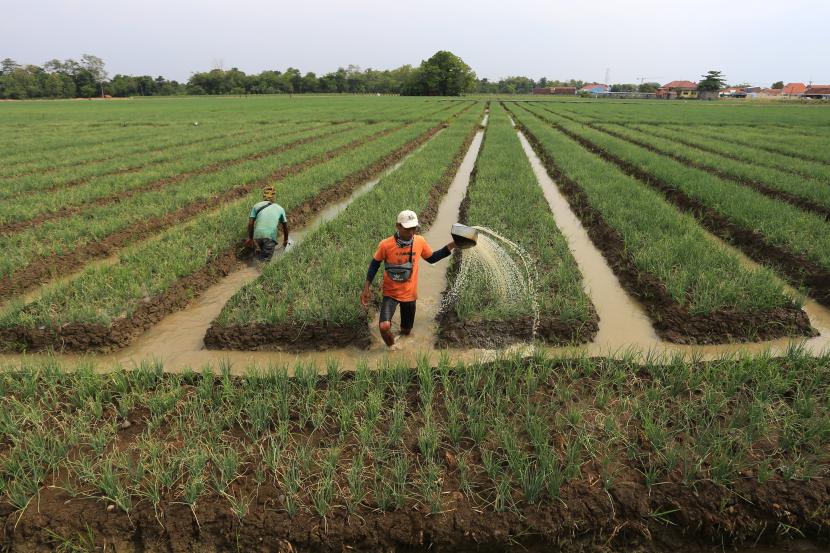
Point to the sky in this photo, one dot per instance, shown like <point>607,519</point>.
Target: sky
<point>754,41</point>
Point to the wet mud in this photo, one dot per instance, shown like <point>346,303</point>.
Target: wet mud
<point>18,226</point>
<point>323,336</point>
<point>586,519</point>
<point>799,271</point>
<point>671,321</point>
<point>43,270</point>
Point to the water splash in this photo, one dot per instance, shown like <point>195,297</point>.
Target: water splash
<point>501,269</point>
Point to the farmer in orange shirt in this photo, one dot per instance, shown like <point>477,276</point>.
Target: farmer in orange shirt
<point>400,254</point>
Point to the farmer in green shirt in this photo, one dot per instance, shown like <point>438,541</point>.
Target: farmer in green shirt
<point>262,225</point>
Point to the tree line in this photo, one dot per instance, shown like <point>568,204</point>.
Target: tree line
<point>444,74</point>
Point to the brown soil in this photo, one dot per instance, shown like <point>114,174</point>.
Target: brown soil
<point>758,186</point>
<point>78,337</point>
<point>291,337</point>
<point>297,337</point>
<point>800,271</point>
<point>587,518</point>
<point>43,270</point>
<point>671,321</point>
<point>453,332</point>
<point>18,226</point>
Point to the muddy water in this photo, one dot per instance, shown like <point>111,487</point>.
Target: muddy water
<point>622,320</point>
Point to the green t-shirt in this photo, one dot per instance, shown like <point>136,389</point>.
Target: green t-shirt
<point>267,220</point>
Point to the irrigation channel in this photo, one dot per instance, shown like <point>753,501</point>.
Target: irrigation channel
<point>177,340</point>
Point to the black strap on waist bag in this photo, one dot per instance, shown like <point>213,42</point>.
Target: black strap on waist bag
<point>258,211</point>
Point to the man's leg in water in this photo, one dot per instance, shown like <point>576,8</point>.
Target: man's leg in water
<point>387,310</point>
<point>407,317</point>
<point>265,250</point>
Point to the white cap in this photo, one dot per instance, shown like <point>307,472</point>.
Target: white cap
<point>407,219</point>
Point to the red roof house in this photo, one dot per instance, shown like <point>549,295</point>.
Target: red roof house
<point>678,89</point>
<point>818,92</point>
<point>595,88</point>
<point>794,89</point>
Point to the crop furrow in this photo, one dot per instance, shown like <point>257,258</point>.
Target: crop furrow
<point>41,270</point>
<point>691,139</point>
<point>262,315</point>
<point>625,248</point>
<point>66,211</point>
<point>800,271</point>
<point>758,186</point>
<point>504,195</point>
<point>82,336</point>
<point>57,167</point>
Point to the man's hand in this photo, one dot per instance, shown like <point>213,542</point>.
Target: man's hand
<point>451,246</point>
<point>249,243</point>
<point>366,295</point>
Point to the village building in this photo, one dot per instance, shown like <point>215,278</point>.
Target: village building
<point>770,92</point>
<point>595,88</point>
<point>556,90</point>
<point>732,92</point>
<point>817,92</point>
<point>678,90</point>
<point>793,89</point>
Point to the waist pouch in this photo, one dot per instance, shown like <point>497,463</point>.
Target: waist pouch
<point>402,272</point>
<point>399,273</point>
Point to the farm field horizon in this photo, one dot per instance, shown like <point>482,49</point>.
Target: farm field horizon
<point>664,332</point>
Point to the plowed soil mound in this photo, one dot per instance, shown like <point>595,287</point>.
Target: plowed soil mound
<point>627,517</point>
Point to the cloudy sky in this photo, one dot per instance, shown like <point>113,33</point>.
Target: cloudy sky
<point>756,41</point>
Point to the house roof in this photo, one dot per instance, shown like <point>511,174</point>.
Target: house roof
<point>680,84</point>
<point>594,85</point>
<point>818,89</point>
<point>794,88</point>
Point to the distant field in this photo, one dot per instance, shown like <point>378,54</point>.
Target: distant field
<point>116,213</point>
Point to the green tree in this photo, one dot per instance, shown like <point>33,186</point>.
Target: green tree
<point>95,67</point>
<point>712,81</point>
<point>7,66</point>
<point>778,85</point>
<point>648,87</point>
<point>444,74</point>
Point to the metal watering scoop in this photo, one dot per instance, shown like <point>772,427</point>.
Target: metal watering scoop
<point>464,236</point>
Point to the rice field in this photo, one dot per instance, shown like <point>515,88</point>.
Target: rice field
<point>116,217</point>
